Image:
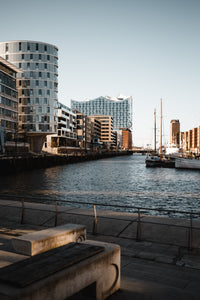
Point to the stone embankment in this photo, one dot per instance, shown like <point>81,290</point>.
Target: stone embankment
<point>29,162</point>
<point>159,266</point>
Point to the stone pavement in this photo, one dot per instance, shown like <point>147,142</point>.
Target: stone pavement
<point>159,266</point>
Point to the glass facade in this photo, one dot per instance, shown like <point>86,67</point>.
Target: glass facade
<point>8,103</point>
<point>37,85</point>
<point>119,108</point>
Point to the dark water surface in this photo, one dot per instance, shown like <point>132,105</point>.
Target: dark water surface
<point>118,181</point>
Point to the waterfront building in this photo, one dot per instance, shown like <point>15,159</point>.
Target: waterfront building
<point>37,87</point>
<point>95,134</point>
<point>95,127</point>
<point>120,108</point>
<point>174,132</point>
<point>65,140</point>
<point>126,139</point>
<point>8,106</point>
<point>108,138</point>
<point>83,131</point>
<point>190,140</point>
<point>119,139</point>
<point>114,145</point>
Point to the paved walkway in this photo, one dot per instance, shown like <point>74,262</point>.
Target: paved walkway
<point>160,266</point>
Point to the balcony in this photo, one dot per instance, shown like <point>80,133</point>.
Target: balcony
<point>62,122</point>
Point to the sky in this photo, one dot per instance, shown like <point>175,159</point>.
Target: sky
<point>147,49</point>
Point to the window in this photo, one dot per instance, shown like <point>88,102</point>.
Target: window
<point>28,46</point>
<point>48,75</point>
<point>40,74</point>
<point>37,83</point>
<point>45,47</point>
<point>48,57</point>
<point>40,92</point>
<point>36,47</point>
<point>22,56</point>
<point>45,83</point>
<point>20,46</point>
<point>37,65</point>
<point>28,65</point>
<point>31,56</point>
<point>40,56</point>
<point>6,46</point>
<point>45,100</point>
<point>45,66</point>
<point>37,100</point>
<point>6,57</point>
<point>20,65</point>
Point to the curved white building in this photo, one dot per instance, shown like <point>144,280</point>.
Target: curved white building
<point>37,87</point>
<point>120,108</point>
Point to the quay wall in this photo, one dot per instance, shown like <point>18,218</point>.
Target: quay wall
<point>10,165</point>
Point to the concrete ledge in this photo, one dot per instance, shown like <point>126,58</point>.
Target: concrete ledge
<point>44,240</point>
<point>101,269</point>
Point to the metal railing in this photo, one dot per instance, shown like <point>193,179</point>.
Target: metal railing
<point>117,208</point>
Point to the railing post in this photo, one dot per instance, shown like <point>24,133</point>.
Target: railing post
<point>95,221</point>
<point>190,236</point>
<point>23,212</point>
<point>138,236</point>
<point>56,219</point>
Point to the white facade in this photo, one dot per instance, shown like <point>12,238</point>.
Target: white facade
<point>120,108</point>
<point>66,137</point>
<point>37,86</point>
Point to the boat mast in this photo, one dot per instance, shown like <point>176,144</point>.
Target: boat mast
<point>155,130</point>
<point>161,126</point>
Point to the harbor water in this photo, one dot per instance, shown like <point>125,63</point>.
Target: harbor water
<point>119,181</point>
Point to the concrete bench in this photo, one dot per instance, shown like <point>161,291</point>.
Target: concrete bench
<point>44,240</point>
<point>62,272</point>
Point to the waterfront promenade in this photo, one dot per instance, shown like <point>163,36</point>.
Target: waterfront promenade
<point>160,266</point>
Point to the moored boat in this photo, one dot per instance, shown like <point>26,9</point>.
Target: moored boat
<point>157,161</point>
<point>160,160</point>
<point>187,163</point>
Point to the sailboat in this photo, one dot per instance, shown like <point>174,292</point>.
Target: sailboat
<point>159,160</point>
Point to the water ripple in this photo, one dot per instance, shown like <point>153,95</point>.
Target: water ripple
<point>116,181</point>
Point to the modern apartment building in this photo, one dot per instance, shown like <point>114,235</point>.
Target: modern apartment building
<point>65,140</point>
<point>190,140</point>
<point>95,134</point>
<point>126,139</point>
<point>95,127</point>
<point>8,106</point>
<point>37,87</point>
<point>174,132</point>
<point>120,108</point>
<point>83,131</point>
<point>107,134</point>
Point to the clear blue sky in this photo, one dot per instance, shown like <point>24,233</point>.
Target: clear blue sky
<point>149,49</point>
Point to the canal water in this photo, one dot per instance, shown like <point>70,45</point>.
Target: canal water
<point>119,181</point>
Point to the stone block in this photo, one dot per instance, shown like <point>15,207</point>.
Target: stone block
<point>44,240</point>
<point>69,272</point>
